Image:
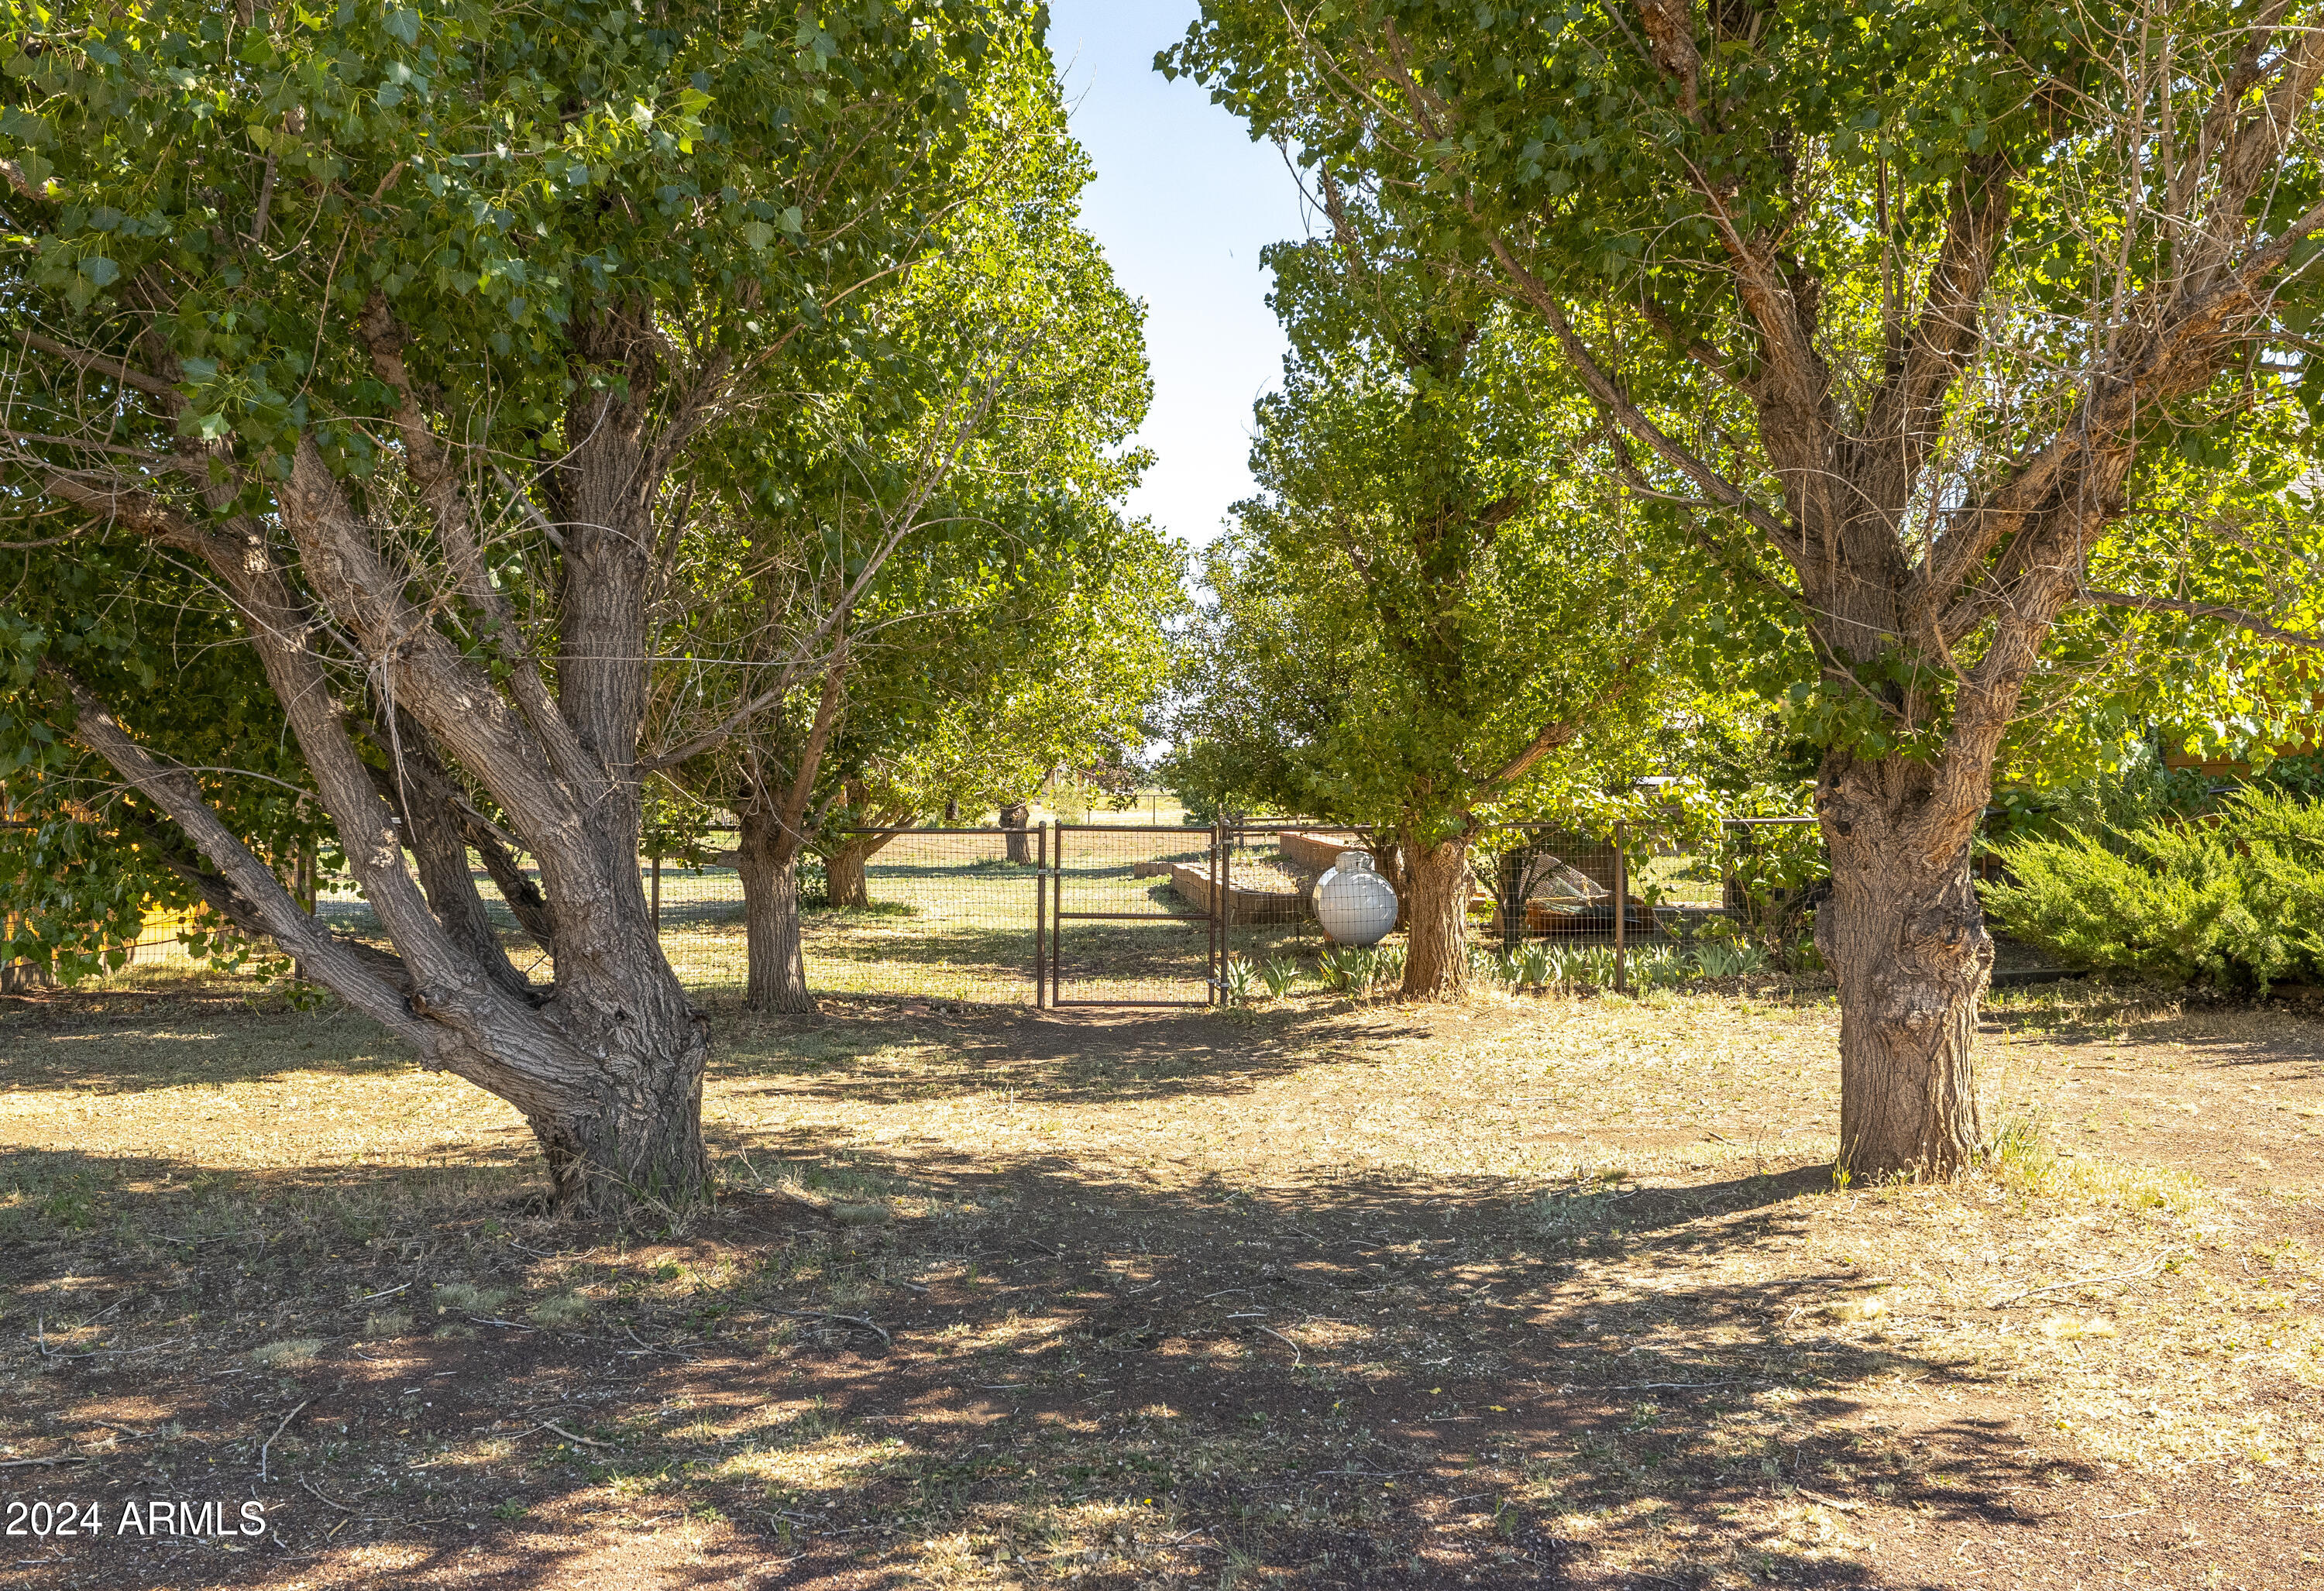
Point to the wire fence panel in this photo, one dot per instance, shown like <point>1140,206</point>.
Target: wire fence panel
<point>1631,891</point>
<point>1269,905</point>
<point>1140,915</point>
<point>1130,918</point>
<point>949,915</point>
<point>941,913</point>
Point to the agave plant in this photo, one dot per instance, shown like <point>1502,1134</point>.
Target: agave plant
<point>1278,974</point>
<point>1592,964</point>
<point>1241,981</point>
<point>1653,966</point>
<point>1712,960</point>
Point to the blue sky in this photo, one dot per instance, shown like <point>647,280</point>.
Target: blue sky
<point>1182,203</point>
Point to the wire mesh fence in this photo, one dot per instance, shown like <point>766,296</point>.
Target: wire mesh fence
<point>1730,897</point>
<point>1130,916</point>
<point>1101,914</point>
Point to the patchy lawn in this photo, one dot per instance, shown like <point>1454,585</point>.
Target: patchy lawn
<point>1525,1293</point>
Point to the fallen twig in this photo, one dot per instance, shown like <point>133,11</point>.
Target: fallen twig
<point>648,1347</point>
<point>101,1314</point>
<point>385,1292</point>
<point>60,1459</point>
<point>269,1442</point>
<point>569,1435</point>
<point>1297,1352</point>
<point>327,1502</point>
<point>2146,1269</point>
<point>872,1326</point>
<point>493,1321</point>
<point>41,1338</point>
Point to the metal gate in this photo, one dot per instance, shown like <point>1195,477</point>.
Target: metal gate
<point>1128,916</point>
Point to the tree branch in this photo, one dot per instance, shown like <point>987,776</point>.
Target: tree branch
<point>1608,392</point>
<point>218,893</point>
<point>2241,617</point>
<point>281,917</point>
<point>116,368</point>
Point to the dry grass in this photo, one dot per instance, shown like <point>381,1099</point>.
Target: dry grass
<point>1317,1295</point>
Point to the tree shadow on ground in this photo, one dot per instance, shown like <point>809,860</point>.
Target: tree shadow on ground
<point>1369,1381</point>
<point>175,1041</point>
<point>939,1355</point>
<point>852,1050</point>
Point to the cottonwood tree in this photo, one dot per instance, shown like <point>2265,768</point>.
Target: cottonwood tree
<point>1901,298</point>
<point>405,330</point>
<point>1459,618</point>
<point>1054,674</point>
<point>950,476</point>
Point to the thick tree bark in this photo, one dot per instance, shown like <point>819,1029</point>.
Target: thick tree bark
<point>638,1138</point>
<point>608,1071</point>
<point>850,886</point>
<point>440,854</point>
<point>607,1067</point>
<point>767,858</point>
<point>1436,930</point>
<point>1904,933</point>
<point>1014,817</point>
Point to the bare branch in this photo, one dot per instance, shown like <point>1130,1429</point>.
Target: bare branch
<point>116,368</point>
<point>1608,392</point>
<point>2241,617</point>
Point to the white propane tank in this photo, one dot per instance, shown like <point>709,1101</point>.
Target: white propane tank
<point>1353,903</point>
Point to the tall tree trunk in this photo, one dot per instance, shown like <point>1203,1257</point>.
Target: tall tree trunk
<point>634,1136</point>
<point>851,887</point>
<point>767,861</point>
<point>440,855</point>
<point>1436,928</point>
<point>1014,817</point>
<point>1906,936</point>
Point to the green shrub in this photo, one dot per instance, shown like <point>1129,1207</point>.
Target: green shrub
<point>2236,898</point>
<point>1241,981</point>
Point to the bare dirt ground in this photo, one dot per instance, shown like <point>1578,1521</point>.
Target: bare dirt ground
<point>1523,1292</point>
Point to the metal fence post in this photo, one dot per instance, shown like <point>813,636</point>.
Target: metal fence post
<point>1621,914</point>
<point>1214,974</point>
<point>1041,919</point>
<point>1226,908</point>
<point>657,892</point>
<point>1511,889</point>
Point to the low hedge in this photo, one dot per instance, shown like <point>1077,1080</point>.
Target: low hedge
<point>2236,898</point>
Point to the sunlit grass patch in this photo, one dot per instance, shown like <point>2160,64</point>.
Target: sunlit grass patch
<point>290,1353</point>
<point>467,1298</point>
<point>2023,1159</point>
<point>562,1308</point>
